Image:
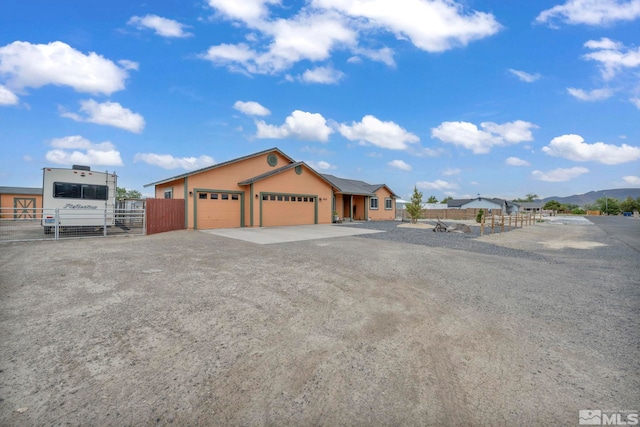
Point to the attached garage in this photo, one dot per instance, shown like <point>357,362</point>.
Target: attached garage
<point>288,209</point>
<point>215,209</point>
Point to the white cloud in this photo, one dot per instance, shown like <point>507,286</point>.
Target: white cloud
<point>612,56</point>
<point>376,132</point>
<point>632,179</point>
<point>574,148</point>
<point>524,76</point>
<point>167,161</point>
<point>251,108</point>
<point>7,97</point>
<point>594,95</point>
<point>433,26</point>
<point>299,125</point>
<point>591,12</point>
<point>321,165</point>
<point>479,141</point>
<point>400,165</point>
<point>322,75</point>
<point>321,27</point>
<point>57,63</point>
<point>636,102</point>
<point>451,171</point>
<point>515,161</point>
<point>108,113</point>
<point>560,174</point>
<point>438,184</point>
<point>84,152</point>
<point>162,26</point>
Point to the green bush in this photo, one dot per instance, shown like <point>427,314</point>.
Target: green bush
<point>480,215</point>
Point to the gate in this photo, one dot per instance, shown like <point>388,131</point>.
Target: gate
<point>165,215</point>
<point>24,208</point>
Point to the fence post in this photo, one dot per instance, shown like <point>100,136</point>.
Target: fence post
<point>104,223</point>
<point>492,222</point>
<point>482,225</point>
<point>56,219</point>
<point>502,223</point>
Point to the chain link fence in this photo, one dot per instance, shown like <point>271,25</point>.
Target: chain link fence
<point>54,224</point>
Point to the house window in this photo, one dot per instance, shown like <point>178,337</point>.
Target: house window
<point>234,197</point>
<point>214,196</point>
<point>168,194</point>
<point>279,198</point>
<point>225,197</point>
<point>272,197</point>
<point>202,195</point>
<point>286,198</point>
<point>388,203</point>
<point>265,197</point>
<point>374,203</point>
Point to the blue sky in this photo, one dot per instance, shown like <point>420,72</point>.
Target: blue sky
<point>459,98</point>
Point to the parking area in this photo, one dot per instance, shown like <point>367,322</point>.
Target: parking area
<point>191,328</point>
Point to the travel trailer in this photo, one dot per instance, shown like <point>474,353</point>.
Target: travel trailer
<point>78,197</point>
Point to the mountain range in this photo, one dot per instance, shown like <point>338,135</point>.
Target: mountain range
<point>592,196</point>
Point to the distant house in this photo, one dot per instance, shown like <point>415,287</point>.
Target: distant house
<point>531,206</point>
<point>20,202</point>
<point>505,206</point>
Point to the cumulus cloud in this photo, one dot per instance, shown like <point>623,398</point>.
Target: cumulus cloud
<point>574,148</point>
<point>636,102</point>
<point>75,149</point>
<point>560,174</point>
<point>108,113</point>
<point>593,95</point>
<point>632,179</point>
<point>251,108</point>
<point>438,184</point>
<point>451,171</point>
<point>376,132</point>
<point>300,125</point>
<point>29,65</point>
<point>322,75</point>
<point>400,165</point>
<point>162,26</point>
<point>321,165</point>
<point>612,56</point>
<point>321,27</point>
<point>524,76</point>
<point>167,161</point>
<point>7,97</point>
<point>515,161</point>
<point>591,12</point>
<point>480,141</point>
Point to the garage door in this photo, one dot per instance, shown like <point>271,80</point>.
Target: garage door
<point>218,210</point>
<point>287,209</point>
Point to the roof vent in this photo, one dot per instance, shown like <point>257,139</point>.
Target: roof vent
<point>81,168</point>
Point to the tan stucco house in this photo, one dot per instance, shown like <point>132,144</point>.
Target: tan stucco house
<point>269,188</point>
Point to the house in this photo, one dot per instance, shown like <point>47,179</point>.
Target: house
<point>531,206</point>
<point>20,202</point>
<point>489,204</point>
<point>269,188</point>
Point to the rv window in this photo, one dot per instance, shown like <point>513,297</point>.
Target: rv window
<point>67,190</point>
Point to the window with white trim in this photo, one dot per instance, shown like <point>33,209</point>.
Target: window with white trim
<point>388,203</point>
<point>373,204</point>
<point>168,194</point>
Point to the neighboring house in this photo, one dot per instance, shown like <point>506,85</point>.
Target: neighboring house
<point>20,202</point>
<point>531,206</point>
<point>505,206</point>
<point>269,188</point>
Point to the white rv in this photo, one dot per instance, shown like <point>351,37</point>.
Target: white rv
<point>78,197</point>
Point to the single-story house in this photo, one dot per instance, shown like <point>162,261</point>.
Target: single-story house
<point>269,188</point>
<point>505,206</point>
<point>20,202</point>
<point>531,206</point>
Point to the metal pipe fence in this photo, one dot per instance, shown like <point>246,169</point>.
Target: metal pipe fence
<point>55,224</point>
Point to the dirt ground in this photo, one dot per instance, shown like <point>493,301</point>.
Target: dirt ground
<point>188,328</point>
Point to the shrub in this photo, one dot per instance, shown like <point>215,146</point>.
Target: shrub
<point>480,215</point>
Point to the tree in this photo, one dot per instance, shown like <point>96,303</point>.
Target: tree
<point>446,199</point>
<point>432,199</point>
<point>479,216</point>
<point>552,205</point>
<point>608,205</point>
<point>528,198</point>
<point>414,208</point>
<point>123,193</point>
<point>630,205</point>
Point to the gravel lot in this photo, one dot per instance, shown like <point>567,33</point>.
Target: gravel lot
<point>407,327</point>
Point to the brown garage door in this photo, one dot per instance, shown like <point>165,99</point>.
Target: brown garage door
<point>218,210</point>
<point>287,209</point>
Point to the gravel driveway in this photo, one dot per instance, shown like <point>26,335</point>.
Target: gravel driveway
<point>188,328</point>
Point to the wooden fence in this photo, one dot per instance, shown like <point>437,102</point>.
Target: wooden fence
<point>494,223</point>
<point>165,215</point>
<point>458,214</point>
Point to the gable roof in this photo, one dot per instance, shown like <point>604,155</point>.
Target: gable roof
<point>456,203</point>
<point>352,186</point>
<point>282,169</point>
<point>20,190</point>
<point>218,165</point>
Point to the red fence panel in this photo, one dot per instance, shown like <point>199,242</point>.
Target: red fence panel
<point>165,215</point>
